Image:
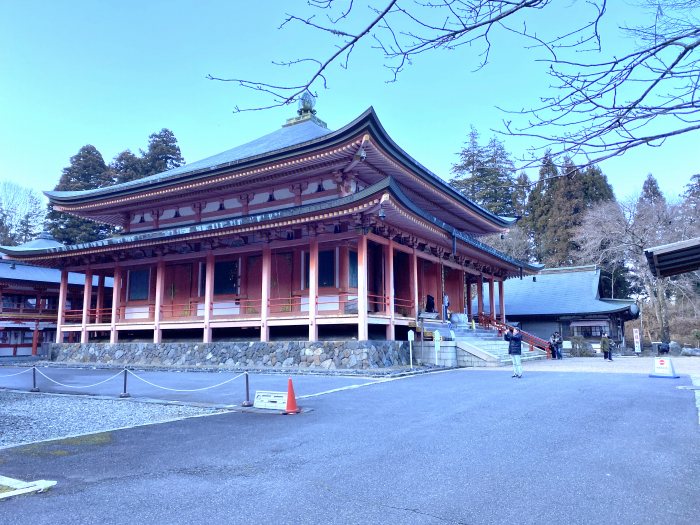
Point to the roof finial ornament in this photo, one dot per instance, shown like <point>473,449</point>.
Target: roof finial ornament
<point>306,104</point>
<point>306,111</point>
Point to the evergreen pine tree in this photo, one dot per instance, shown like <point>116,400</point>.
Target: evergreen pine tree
<point>521,194</point>
<point>127,167</point>
<point>466,172</point>
<point>651,193</point>
<point>163,153</point>
<point>6,238</point>
<point>539,207</point>
<point>556,206</point>
<point>87,171</point>
<point>486,175</point>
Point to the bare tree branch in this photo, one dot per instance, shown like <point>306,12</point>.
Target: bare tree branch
<point>602,106</point>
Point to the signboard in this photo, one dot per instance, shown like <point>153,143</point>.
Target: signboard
<point>270,400</point>
<point>663,367</point>
<point>637,341</point>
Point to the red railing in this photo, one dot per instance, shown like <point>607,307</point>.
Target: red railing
<point>377,304</point>
<point>283,306</point>
<point>73,317</point>
<point>532,340</point>
<point>240,308</point>
<point>99,315</point>
<point>404,307</point>
<point>187,310</point>
<point>341,304</point>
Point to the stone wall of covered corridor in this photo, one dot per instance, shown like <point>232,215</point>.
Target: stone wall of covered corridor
<point>330,355</point>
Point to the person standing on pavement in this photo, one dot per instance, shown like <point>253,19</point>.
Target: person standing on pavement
<point>515,346</point>
<point>560,343</point>
<point>555,345</point>
<point>605,347</point>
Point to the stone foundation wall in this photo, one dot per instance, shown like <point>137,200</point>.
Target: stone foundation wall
<point>330,355</point>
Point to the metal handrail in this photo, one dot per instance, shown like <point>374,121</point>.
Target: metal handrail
<point>528,338</point>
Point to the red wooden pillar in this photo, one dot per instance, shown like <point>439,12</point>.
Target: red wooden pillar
<point>265,293</point>
<point>492,299</point>
<point>440,292</point>
<point>344,275</point>
<point>35,338</point>
<point>362,289</point>
<point>479,298</point>
<point>313,288</point>
<point>414,282</point>
<point>116,304</point>
<point>87,299</point>
<point>389,290</point>
<point>100,297</point>
<point>157,314</point>
<point>468,295</point>
<point>208,296</point>
<point>502,301</point>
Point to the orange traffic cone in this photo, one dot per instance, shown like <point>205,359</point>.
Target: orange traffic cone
<point>291,400</point>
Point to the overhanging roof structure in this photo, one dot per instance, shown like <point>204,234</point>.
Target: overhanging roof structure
<point>386,195</point>
<point>675,258</point>
<point>305,147</point>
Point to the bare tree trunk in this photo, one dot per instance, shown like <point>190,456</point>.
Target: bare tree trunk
<point>661,285</point>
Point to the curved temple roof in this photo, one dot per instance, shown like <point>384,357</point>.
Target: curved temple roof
<point>375,193</point>
<point>292,141</point>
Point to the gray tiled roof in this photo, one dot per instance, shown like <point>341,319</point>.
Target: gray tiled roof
<point>277,140</point>
<point>17,271</point>
<point>557,291</point>
<point>169,233</point>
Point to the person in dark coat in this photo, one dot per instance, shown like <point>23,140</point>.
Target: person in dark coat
<point>515,348</point>
<point>605,347</point>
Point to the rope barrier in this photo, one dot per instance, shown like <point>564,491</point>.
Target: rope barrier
<point>81,386</point>
<point>18,373</point>
<point>184,390</point>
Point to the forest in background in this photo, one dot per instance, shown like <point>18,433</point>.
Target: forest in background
<point>570,216</point>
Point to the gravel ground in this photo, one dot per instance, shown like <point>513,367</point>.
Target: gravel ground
<point>27,418</point>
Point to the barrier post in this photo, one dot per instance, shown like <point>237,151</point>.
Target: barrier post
<point>124,392</point>
<point>34,388</point>
<point>247,402</point>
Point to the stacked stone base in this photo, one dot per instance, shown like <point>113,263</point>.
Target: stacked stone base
<point>329,355</point>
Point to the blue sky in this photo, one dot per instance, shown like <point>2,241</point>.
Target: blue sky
<point>110,73</point>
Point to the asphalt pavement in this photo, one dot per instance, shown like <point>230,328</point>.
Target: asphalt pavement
<point>457,447</point>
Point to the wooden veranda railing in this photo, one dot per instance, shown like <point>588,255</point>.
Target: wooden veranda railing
<point>242,308</point>
<point>532,340</point>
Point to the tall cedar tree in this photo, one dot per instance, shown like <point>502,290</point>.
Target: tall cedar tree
<point>127,167</point>
<point>651,193</point>
<point>556,206</point>
<point>87,171</point>
<point>163,154</point>
<point>6,237</point>
<point>538,208</point>
<point>486,175</point>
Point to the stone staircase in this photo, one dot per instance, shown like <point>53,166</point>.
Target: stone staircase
<point>478,347</point>
<point>484,347</point>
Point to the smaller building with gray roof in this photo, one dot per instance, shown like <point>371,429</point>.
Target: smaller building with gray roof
<point>565,300</point>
